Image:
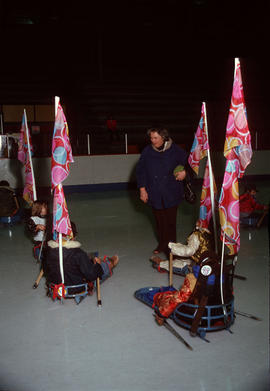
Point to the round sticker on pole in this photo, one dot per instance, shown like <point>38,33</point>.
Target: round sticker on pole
<point>206,270</point>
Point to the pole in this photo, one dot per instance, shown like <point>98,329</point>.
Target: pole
<point>171,269</point>
<point>36,284</point>
<point>256,141</point>
<point>7,146</point>
<point>30,157</point>
<point>56,103</point>
<point>221,273</point>
<point>212,193</point>
<point>61,257</point>
<point>99,303</point>
<point>88,143</point>
<point>126,144</point>
<point>1,119</point>
<point>174,332</point>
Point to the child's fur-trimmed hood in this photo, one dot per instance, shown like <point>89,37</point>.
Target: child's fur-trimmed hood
<point>66,243</point>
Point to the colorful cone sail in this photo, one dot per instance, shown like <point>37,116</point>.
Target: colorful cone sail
<point>25,152</point>
<point>61,157</point>
<point>200,144</point>
<point>206,202</point>
<point>238,152</point>
<point>61,149</point>
<point>199,150</point>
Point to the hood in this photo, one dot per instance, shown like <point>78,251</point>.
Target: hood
<point>167,145</point>
<point>66,244</point>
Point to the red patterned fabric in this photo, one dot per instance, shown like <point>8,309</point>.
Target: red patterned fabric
<point>168,301</point>
<point>24,157</point>
<point>237,150</point>
<point>61,149</point>
<point>205,202</point>
<point>61,220</point>
<point>61,157</point>
<point>199,150</point>
<point>200,144</point>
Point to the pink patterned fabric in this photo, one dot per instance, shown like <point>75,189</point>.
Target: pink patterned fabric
<point>61,149</point>
<point>61,157</point>
<point>199,150</point>
<point>238,151</point>
<point>61,221</point>
<point>23,156</point>
<point>205,202</point>
<point>200,144</point>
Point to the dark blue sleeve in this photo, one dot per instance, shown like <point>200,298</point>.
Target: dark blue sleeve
<point>182,155</point>
<point>89,270</point>
<point>141,171</point>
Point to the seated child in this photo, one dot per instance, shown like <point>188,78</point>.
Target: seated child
<point>38,220</point>
<point>198,241</point>
<point>79,267</point>
<point>250,209</point>
<point>37,224</point>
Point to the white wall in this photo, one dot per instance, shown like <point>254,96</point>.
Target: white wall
<point>84,171</point>
<point>87,170</point>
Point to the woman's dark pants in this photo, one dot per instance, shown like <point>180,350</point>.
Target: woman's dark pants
<point>166,227</point>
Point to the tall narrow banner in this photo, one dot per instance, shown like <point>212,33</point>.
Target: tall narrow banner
<point>61,157</point>
<point>61,149</point>
<point>200,144</point>
<point>25,152</point>
<point>199,150</point>
<point>206,202</point>
<point>238,152</point>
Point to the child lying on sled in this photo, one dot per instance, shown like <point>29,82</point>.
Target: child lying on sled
<point>202,283</point>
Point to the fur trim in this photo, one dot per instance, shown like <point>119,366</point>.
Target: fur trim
<point>167,145</point>
<point>66,244</point>
<point>186,250</point>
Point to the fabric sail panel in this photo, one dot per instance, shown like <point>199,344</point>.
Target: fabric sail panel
<point>205,201</point>
<point>200,144</point>
<point>24,156</point>
<point>200,150</point>
<point>238,152</point>
<point>61,158</point>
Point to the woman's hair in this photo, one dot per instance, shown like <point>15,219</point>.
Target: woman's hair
<point>37,206</point>
<point>161,131</point>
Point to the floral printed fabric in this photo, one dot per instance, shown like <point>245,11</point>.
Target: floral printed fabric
<point>200,144</point>
<point>24,157</point>
<point>238,151</point>
<point>61,157</point>
<point>61,149</point>
<point>206,202</point>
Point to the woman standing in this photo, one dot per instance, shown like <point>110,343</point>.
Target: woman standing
<point>159,186</point>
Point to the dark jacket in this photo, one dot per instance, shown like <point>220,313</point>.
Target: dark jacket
<point>78,267</point>
<point>155,172</point>
<point>8,204</point>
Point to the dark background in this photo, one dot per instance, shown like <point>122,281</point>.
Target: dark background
<point>186,48</point>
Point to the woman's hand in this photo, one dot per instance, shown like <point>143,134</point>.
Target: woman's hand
<point>180,176</point>
<point>143,195</point>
